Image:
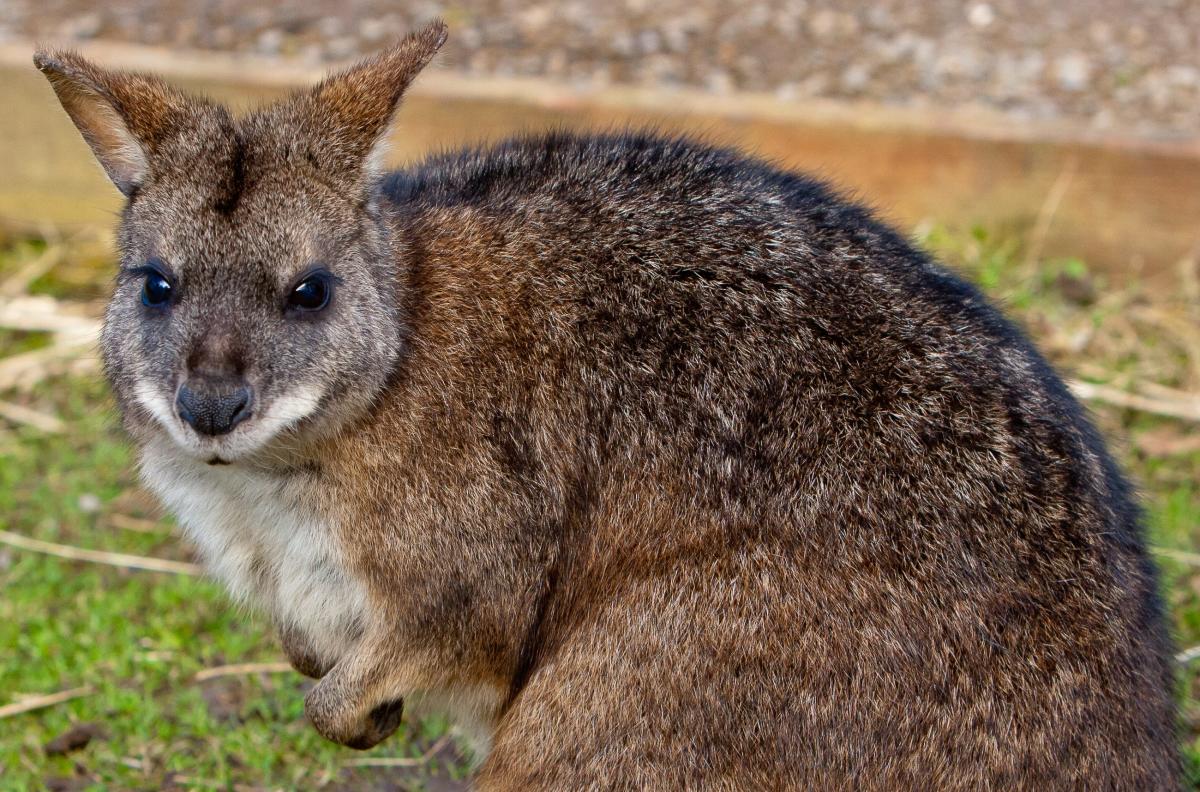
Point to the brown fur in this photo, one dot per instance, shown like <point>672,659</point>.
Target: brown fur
<point>668,469</point>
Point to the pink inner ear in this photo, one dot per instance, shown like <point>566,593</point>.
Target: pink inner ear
<point>120,154</point>
<point>123,116</point>
<point>85,93</point>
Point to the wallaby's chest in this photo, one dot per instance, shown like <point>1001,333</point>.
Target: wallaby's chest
<point>271,550</point>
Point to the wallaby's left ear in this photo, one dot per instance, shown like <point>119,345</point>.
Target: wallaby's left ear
<point>352,110</point>
<point>124,117</point>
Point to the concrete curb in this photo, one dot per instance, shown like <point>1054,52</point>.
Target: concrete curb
<point>1130,202</point>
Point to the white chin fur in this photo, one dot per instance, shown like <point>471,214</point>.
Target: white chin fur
<point>246,438</point>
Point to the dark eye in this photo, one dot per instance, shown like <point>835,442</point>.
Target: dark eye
<point>311,294</point>
<point>156,292</point>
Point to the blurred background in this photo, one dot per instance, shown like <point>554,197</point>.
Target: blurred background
<point>1047,149</point>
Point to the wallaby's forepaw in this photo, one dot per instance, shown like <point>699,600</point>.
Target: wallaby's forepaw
<point>342,721</point>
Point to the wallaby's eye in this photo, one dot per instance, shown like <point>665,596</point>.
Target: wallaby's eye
<point>156,292</point>
<point>311,293</point>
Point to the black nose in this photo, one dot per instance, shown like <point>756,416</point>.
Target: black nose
<point>214,407</point>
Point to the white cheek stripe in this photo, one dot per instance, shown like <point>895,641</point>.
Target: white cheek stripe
<point>292,407</point>
<point>160,408</point>
<point>149,398</point>
<point>282,413</point>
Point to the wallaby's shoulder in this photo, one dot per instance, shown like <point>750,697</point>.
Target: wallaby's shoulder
<point>669,189</point>
<point>668,211</point>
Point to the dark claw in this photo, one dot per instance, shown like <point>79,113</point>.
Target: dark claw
<point>385,719</point>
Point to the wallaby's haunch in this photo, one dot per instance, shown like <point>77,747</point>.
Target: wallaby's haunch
<point>655,466</point>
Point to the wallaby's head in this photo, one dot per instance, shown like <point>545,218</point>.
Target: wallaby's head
<point>257,291</point>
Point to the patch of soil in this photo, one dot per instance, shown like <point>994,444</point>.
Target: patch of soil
<point>430,773</point>
<point>224,697</point>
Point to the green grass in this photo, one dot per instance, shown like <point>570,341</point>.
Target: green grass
<point>137,639</point>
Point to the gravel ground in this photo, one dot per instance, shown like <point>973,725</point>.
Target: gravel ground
<point>1128,65</point>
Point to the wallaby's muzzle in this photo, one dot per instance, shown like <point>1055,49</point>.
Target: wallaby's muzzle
<point>214,406</point>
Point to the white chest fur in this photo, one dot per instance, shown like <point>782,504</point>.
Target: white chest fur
<point>256,535</point>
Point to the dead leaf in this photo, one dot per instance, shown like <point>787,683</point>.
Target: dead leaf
<point>74,738</point>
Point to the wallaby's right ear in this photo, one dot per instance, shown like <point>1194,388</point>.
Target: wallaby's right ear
<point>122,116</point>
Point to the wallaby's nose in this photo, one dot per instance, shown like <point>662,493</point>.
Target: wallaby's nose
<point>214,406</point>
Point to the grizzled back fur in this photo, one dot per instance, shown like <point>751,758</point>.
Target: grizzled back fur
<point>656,466</point>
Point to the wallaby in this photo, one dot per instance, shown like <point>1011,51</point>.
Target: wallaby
<point>655,466</point>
